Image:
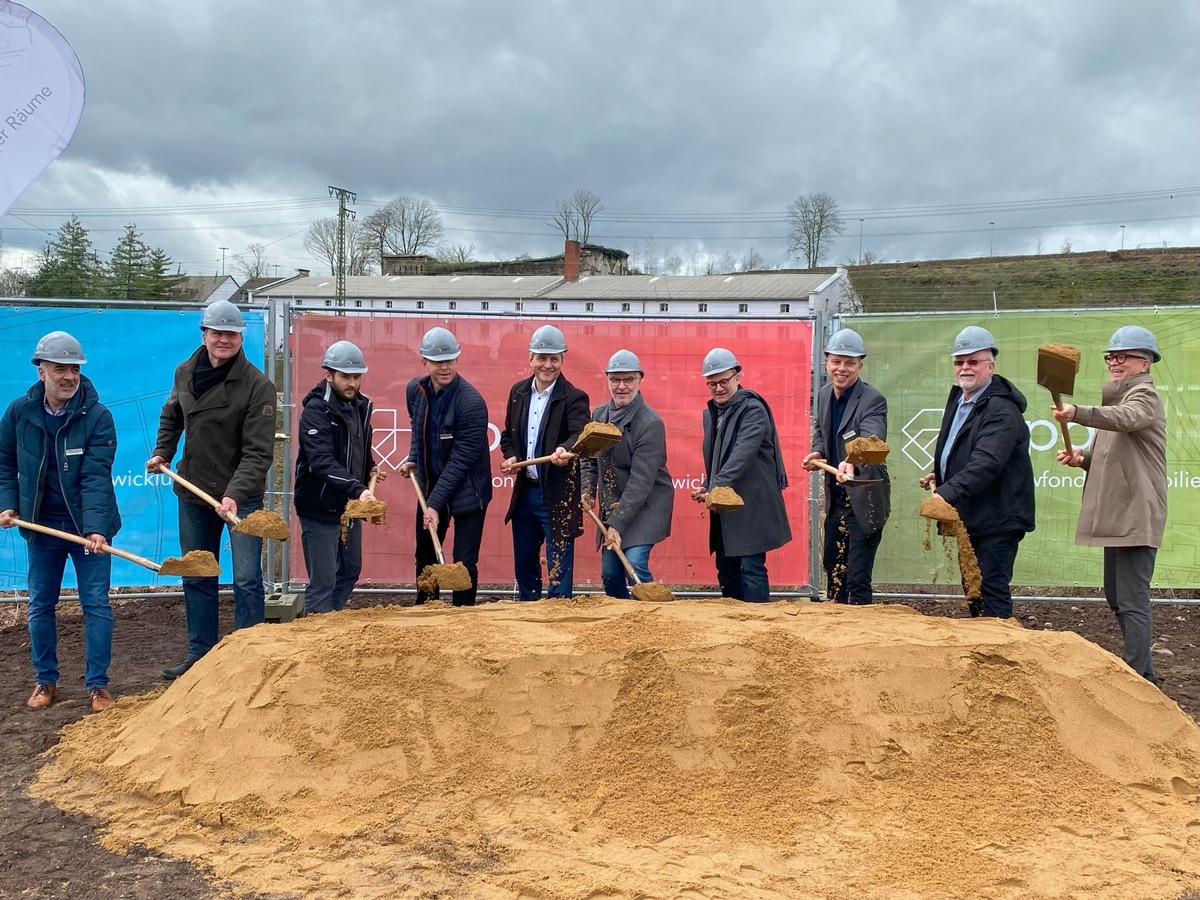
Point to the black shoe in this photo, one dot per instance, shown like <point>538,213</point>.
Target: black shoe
<point>173,672</point>
<point>975,608</point>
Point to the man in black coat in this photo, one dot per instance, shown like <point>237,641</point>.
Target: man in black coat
<point>982,466</point>
<point>545,417</point>
<point>448,455</point>
<point>848,408</point>
<point>334,462</point>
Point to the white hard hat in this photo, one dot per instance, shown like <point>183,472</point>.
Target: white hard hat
<point>846,343</point>
<point>624,361</point>
<point>548,339</point>
<point>222,315</point>
<point>58,347</point>
<point>345,357</point>
<point>439,345</point>
<point>719,360</point>
<point>973,338</point>
<point>1134,337</point>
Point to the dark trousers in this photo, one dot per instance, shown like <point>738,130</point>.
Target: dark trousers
<point>531,529</point>
<point>849,556</point>
<point>200,528</point>
<point>996,555</point>
<point>468,534</point>
<point>741,577</point>
<point>1127,574</point>
<point>333,564</point>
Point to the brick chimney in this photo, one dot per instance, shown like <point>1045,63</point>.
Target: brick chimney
<point>571,261</point>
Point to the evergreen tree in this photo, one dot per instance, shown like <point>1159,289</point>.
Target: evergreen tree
<point>69,268</point>
<point>128,267</point>
<point>159,282</point>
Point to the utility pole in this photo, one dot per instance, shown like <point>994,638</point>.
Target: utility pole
<point>860,223</point>
<point>991,237</point>
<point>1122,238</point>
<point>343,197</point>
<point>222,249</point>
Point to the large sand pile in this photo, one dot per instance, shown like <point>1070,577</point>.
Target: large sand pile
<point>606,749</point>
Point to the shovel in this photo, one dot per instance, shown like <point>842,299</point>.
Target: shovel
<point>595,438</point>
<point>260,523</point>
<point>868,451</point>
<point>646,591</point>
<point>844,480</point>
<point>453,577</point>
<point>197,562</point>
<point>365,509</point>
<point>1057,367</point>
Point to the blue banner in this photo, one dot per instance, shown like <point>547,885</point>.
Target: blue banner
<point>131,359</point>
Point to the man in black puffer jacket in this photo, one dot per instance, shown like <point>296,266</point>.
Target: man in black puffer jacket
<point>982,466</point>
<point>448,456</point>
<point>333,464</point>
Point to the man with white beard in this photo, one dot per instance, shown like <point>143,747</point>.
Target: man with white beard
<point>982,467</point>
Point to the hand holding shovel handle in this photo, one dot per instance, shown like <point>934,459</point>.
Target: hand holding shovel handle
<point>202,494</point>
<point>843,479</point>
<point>1057,400</point>
<point>74,538</point>
<point>437,545</point>
<point>617,550</point>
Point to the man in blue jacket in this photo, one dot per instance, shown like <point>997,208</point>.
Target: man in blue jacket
<point>333,465</point>
<point>982,466</point>
<point>57,445</point>
<point>448,455</point>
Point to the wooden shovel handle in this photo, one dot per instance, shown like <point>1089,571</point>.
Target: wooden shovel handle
<point>617,550</point>
<point>202,494</point>
<point>823,465</point>
<point>437,545</point>
<point>67,536</point>
<point>538,460</point>
<point>1057,398</point>
<point>374,478</point>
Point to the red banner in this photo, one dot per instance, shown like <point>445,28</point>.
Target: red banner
<point>776,361</point>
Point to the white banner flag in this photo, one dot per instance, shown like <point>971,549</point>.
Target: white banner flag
<point>41,98</point>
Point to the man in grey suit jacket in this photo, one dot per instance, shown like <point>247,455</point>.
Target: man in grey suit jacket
<point>630,479</point>
<point>849,408</point>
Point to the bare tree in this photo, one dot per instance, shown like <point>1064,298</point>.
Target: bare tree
<point>565,220</point>
<point>815,222</point>
<point>321,240</point>
<point>12,282</point>
<point>587,205</point>
<point>728,262</point>
<point>405,225</point>
<point>456,253</point>
<point>253,263</point>
<point>752,260</point>
<point>673,264</point>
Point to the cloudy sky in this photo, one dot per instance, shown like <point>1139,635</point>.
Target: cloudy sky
<point>943,129</point>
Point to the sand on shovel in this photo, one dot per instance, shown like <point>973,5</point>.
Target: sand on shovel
<point>451,576</point>
<point>652,592</point>
<point>723,499</point>
<point>375,510</point>
<point>938,509</point>
<point>197,563</point>
<point>870,451</point>
<point>264,524</point>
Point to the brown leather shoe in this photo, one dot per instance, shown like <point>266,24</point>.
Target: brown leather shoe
<point>42,696</point>
<point>101,699</point>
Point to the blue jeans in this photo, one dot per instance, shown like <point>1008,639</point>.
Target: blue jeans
<point>47,562</point>
<point>612,573</point>
<point>200,528</point>
<point>531,528</point>
<point>740,577</point>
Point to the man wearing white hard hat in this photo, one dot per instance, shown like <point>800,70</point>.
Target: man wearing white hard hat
<point>57,446</point>
<point>630,480</point>
<point>982,466</point>
<point>334,462</point>
<point>223,408</point>
<point>741,451</point>
<point>448,455</point>
<point>1125,493</point>
<point>544,417</point>
<point>848,408</point>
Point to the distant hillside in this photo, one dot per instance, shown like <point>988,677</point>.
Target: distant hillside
<point>1128,278</point>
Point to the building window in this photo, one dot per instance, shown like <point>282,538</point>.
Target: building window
<point>743,307</point>
<point>420,304</point>
<point>387,304</point>
<point>624,307</point>
<point>701,307</point>
<point>519,305</point>
<point>329,303</point>
<point>483,304</point>
<point>358,303</point>
<point>664,307</point>
<point>453,304</point>
<point>785,307</point>
<point>589,306</point>
<point>553,306</point>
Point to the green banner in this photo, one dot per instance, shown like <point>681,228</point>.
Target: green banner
<point>910,363</point>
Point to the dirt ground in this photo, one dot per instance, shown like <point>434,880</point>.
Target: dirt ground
<point>47,853</point>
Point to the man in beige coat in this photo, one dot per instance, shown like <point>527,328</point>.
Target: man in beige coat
<point>1125,493</point>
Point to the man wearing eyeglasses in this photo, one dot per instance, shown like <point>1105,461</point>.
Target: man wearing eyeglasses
<point>741,451</point>
<point>1124,507</point>
<point>630,480</point>
<point>982,466</point>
